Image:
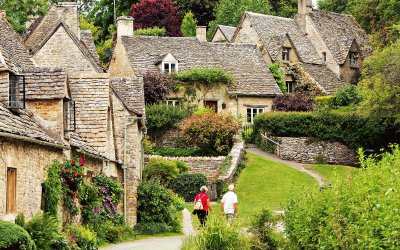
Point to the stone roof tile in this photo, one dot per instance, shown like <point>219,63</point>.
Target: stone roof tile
<point>272,31</point>
<point>131,93</point>
<point>244,61</point>
<point>324,76</point>
<point>228,31</point>
<point>87,39</point>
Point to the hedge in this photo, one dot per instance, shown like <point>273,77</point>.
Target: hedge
<point>188,185</point>
<point>352,129</point>
<point>14,237</point>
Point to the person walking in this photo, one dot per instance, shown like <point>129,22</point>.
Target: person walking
<point>229,204</point>
<point>202,210</point>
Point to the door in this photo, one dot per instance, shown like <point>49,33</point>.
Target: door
<point>11,190</point>
<point>211,105</point>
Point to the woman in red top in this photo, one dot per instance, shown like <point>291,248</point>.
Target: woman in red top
<point>205,201</point>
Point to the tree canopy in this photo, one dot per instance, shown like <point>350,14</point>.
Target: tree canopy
<point>189,24</point>
<point>203,10</point>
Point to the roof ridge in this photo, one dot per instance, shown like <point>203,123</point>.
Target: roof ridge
<point>265,15</point>
<point>333,13</point>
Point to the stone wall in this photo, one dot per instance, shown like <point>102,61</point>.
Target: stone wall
<point>31,162</point>
<point>237,155</point>
<point>305,150</point>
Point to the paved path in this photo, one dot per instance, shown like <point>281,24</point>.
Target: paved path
<point>292,164</point>
<point>159,243</point>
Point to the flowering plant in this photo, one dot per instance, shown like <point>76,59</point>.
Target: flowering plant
<point>71,175</point>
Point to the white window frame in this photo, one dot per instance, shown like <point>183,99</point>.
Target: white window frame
<point>169,67</point>
<point>253,112</point>
<point>172,102</point>
<point>285,54</point>
<point>289,90</point>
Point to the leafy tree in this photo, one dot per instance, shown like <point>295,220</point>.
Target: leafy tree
<point>203,10</point>
<point>338,6</point>
<point>380,85</point>
<point>155,31</point>
<point>156,87</point>
<point>86,24</point>
<point>157,13</point>
<point>284,8</point>
<point>189,24</point>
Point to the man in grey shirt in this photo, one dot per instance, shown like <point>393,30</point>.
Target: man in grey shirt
<point>229,204</point>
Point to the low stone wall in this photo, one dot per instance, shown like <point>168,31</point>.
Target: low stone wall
<point>169,139</point>
<point>305,150</point>
<point>236,154</point>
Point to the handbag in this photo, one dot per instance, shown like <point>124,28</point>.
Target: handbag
<point>198,205</point>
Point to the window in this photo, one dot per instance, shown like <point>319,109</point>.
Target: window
<point>252,112</point>
<point>285,54</point>
<point>170,67</point>
<point>211,105</point>
<point>353,56</point>
<point>16,97</point>
<point>11,194</point>
<point>172,102</point>
<point>69,116</point>
<point>324,56</point>
<point>289,86</point>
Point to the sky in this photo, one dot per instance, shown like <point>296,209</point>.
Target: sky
<point>314,3</point>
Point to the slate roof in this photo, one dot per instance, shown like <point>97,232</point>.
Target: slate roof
<point>228,31</point>
<point>272,31</point>
<point>23,124</point>
<point>338,31</point>
<point>6,64</point>
<point>76,140</point>
<point>324,76</point>
<point>130,91</point>
<point>11,47</point>
<point>244,61</point>
<point>87,39</point>
<point>45,83</point>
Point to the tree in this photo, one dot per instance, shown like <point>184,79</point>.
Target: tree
<point>203,10</point>
<point>156,87</point>
<point>380,85</point>
<point>229,12</point>
<point>338,6</point>
<point>284,8</point>
<point>157,13</point>
<point>189,24</point>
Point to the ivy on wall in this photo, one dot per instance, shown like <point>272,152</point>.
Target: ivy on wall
<point>275,69</point>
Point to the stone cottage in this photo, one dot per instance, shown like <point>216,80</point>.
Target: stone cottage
<point>223,33</point>
<point>324,47</point>
<point>66,96</point>
<point>253,93</point>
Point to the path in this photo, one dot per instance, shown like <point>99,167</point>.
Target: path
<point>158,243</point>
<point>292,164</point>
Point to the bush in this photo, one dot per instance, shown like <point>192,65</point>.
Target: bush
<point>182,166</point>
<point>161,117</point>
<point>210,131</point>
<point>151,228</point>
<point>217,235</point>
<point>324,101</point>
<point>188,26</point>
<point>183,152</point>
<point>291,102</point>
<point>263,230</point>
<point>44,230</point>
<point>187,185</point>
<point>20,220</point>
<point>275,69</point>
<point>351,129</point>
<point>360,213</point>
<point>158,204</point>
<point>53,189</point>
<point>14,237</point>
<point>84,237</point>
<point>347,95</point>
<point>107,232</point>
<point>206,77</point>
<point>156,86</point>
<point>204,110</point>
<point>155,31</point>
<point>159,169</point>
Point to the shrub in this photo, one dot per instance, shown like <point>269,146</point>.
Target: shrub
<point>161,117</point>
<point>360,213</point>
<point>182,166</point>
<point>189,24</point>
<point>20,220</point>
<point>210,131</point>
<point>183,152</point>
<point>275,69</point>
<point>347,95</point>
<point>292,102</point>
<point>217,235</point>
<point>187,185</point>
<point>15,237</point>
<point>158,204</point>
<point>156,86</point>
<point>84,237</point>
<point>52,189</point>
<point>155,31</point>
<point>204,110</point>
<point>107,232</point>
<point>159,169</point>
<point>351,129</point>
<point>44,230</point>
<point>263,230</point>
<point>206,77</point>
<point>151,228</point>
<point>324,101</point>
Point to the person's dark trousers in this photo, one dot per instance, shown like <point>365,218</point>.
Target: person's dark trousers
<point>202,215</point>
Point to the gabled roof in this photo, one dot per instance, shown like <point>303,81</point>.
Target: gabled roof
<point>87,40</point>
<point>23,124</point>
<point>131,93</point>
<point>11,47</point>
<point>6,64</point>
<point>338,32</point>
<point>76,140</point>
<point>244,61</point>
<point>328,80</point>
<point>272,31</point>
<point>227,31</point>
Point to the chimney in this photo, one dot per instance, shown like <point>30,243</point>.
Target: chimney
<point>201,33</point>
<point>305,7</point>
<point>124,26</point>
<point>68,12</point>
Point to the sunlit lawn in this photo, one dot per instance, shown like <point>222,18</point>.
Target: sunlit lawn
<point>331,173</point>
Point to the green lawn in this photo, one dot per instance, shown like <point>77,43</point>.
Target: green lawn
<point>330,173</point>
<point>267,183</point>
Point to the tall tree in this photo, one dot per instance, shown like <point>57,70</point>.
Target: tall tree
<point>189,24</point>
<point>157,13</point>
<point>284,8</point>
<point>203,10</point>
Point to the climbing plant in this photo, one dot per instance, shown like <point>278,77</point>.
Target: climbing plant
<point>53,189</point>
<point>275,69</point>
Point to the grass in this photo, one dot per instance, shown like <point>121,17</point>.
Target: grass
<point>331,173</point>
<point>266,183</point>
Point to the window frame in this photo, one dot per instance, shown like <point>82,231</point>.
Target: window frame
<point>253,114</point>
<point>69,116</point>
<point>174,102</point>
<point>170,71</point>
<point>13,103</point>
<point>353,59</point>
<point>287,86</point>
<point>286,54</point>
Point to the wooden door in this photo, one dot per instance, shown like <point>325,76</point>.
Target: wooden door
<point>11,190</point>
<point>211,105</point>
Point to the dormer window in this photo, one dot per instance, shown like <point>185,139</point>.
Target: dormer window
<point>353,58</point>
<point>170,67</point>
<point>16,97</point>
<point>69,116</point>
<point>286,54</point>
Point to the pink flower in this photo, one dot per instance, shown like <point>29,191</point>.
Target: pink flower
<point>81,161</point>
<point>104,190</point>
<point>73,163</point>
<point>108,198</point>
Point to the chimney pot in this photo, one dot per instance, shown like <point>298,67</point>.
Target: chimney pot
<point>124,26</point>
<point>201,33</point>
